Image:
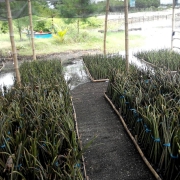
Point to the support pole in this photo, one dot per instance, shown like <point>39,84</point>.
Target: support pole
<point>173,22</point>
<point>105,26</point>
<point>78,26</point>
<point>52,24</point>
<point>11,33</point>
<point>31,29</point>
<point>126,35</point>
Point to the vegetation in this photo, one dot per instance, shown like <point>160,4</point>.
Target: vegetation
<point>74,10</point>
<point>163,58</point>
<point>60,35</point>
<point>37,127</point>
<point>147,3</point>
<point>4,27</point>
<point>149,103</point>
<point>100,66</point>
<point>88,38</point>
<point>41,26</point>
<point>20,24</point>
<point>38,138</point>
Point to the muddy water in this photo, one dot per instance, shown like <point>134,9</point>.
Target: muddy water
<point>6,79</point>
<point>75,73</point>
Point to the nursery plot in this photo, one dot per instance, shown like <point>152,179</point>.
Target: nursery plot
<point>100,66</point>
<point>150,103</point>
<point>38,139</point>
<point>162,58</point>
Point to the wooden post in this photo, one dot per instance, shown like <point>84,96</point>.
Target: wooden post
<point>78,26</point>
<point>126,35</point>
<point>173,22</point>
<point>11,33</point>
<point>31,29</point>
<point>105,26</point>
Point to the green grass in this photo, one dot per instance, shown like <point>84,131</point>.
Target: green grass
<point>88,38</point>
<point>115,42</point>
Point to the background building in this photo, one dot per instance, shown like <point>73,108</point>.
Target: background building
<point>167,1</point>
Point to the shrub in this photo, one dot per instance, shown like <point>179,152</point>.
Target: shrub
<point>41,26</point>
<point>147,3</point>
<point>4,27</point>
<point>60,35</point>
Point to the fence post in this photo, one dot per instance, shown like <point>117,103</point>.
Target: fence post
<point>31,29</point>
<point>105,26</point>
<point>173,19</point>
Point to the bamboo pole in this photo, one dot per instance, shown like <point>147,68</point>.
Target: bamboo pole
<point>31,29</point>
<point>13,46</point>
<point>173,22</point>
<point>126,35</point>
<point>105,26</point>
<point>78,26</point>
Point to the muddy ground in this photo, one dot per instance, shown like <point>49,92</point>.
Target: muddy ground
<point>64,57</point>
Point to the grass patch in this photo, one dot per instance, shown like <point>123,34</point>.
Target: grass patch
<point>116,41</point>
<point>88,38</point>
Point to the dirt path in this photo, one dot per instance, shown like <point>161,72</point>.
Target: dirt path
<point>112,156</point>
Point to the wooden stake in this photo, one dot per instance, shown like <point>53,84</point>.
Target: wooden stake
<point>11,33</point>
<point>105,26</point>
<point>78,26</point>
<point>31,29</point>
<point>126,35</point>
<point>173,22</point>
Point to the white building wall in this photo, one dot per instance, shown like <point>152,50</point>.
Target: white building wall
<point>96,1</point>
<point>161,1</point>
<point>167,1</point>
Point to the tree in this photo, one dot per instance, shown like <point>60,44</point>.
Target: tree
<point>44,8</point>
<point>147,3</point>
<point>74,10</point>
<point>21,23</point>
